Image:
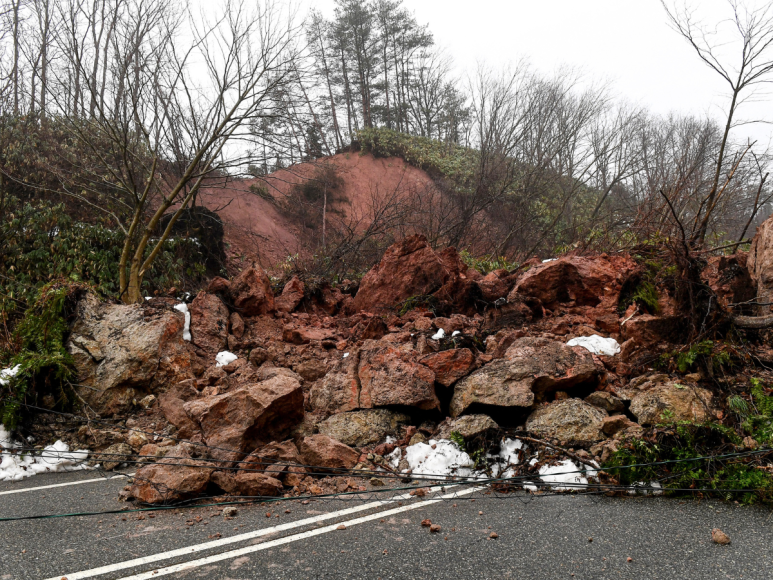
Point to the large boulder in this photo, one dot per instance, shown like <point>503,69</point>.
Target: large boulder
<point>291,296</point>
<point>247,483</point>
<point>530,370</point>
<point>123,352</point>
<point>339,390</point>
<point>468,426</point>
<point>672,402</point>
<point>176,477</point>
<point>209,324</point>
<point>729,278</point>
<point>450,365</point>
<point>390,375</point>
<point>760,263</point>
<point>584,281</point>
<point>409,268</point>
<point>361,428</point>
<point>251,292</point>
<point>239,420</point>
<point>320,451</point>
<point>571,421</point>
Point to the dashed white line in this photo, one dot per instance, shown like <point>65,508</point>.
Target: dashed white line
<point>187,551</point>
<point>80,482</point>
<point>289,539</point>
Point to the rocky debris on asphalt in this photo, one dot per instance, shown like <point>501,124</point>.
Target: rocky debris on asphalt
<point>719,537</point>
<point>352,377</point>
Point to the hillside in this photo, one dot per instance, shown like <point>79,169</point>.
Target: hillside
<point>259,228</point>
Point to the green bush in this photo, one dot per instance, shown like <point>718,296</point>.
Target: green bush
<point>43,243</point>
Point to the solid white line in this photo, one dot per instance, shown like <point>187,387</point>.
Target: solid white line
<point>226,541</point>
<point>26,489</point>
<point>289,539</point>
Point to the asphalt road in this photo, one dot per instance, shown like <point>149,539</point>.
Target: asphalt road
<point>539,537</point>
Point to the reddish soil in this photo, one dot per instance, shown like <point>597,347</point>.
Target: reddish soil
<point>256,230</point>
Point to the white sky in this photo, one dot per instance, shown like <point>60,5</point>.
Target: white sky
<point>627,42</point>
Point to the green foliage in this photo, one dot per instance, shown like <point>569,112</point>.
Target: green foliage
<point>42,357</point>
<point>647,295</point>
<point>760,425</point>
<point>457,438</point>
<point>43,243</point>
<point>424,300</point>
<point>690,447</point>
<point>436,157</point>
<point>706,352</point>
<point>739,406</point>
<point>487,263</point>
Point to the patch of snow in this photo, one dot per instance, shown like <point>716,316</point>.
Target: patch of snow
<point>455,333</point>
<point>508,451</point>
<point>7,374</point>
<point>224,358</point>
<point>15,466</point>
<point>394,457</point>
<point>566,472</point>
<point>187,328</point>
<point>445,459</point>
<point>389,440</point>
<point>549,260</point>
<point>596,344</point>
<point>439,335</point>
<point>346,354</point>
<point>148,298</point>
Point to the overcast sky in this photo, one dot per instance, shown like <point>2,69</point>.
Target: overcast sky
<point>627,42</point>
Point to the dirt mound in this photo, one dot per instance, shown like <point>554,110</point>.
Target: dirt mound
<point>258,230</point>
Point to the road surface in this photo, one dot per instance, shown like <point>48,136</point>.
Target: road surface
<point>548,536</point>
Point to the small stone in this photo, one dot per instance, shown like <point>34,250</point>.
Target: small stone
<point>720,537</point>
<point>341,527</point>
<point>147,402</point>
<point>435,528</point>
<point>590,539</point>
<point>376,482</point>
<point>230,512</point>
<point>493,535</point>
<point>426,523</point>
<point>629,559</point>
<point>480,513</point>
<point>268,514</point>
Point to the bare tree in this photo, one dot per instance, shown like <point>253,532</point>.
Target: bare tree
<point>750,68</point>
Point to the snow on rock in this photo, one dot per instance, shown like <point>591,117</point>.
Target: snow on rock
<point>596,344</point>
<point>455,333</point>
<point>644,488</point>
<point>223,358</point>
<point>187,328</point>
<point>15,465</point>
<point>549,260</point>
<point>395,457</point>
<point>445,459</point>
<point>439,335</point>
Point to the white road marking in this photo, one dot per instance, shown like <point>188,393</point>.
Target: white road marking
<point>82,481</point>
<point>234,539</point>
<point>289,539</point>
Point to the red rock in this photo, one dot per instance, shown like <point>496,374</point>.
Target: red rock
<point>426,523</point>
<point>277,455</point>
<point>209,324</point>
<point>218,285</point>
<point>322,451</point>
<point>450,365</point>
<point>494,286</point>
<point>729,278</point>
<point>237,325</point>
<point>339,391</point>
<point>172,408</point>
<point>251,484</point>
<point>251,292</point>
<point>408,268</point>
<point>719,537</point>
<point>291,296</point>
<point>582,280</point>
<point>760,263</point>
<point>615,423</point>
<point>435,528</point>
<point>240,419</point>
<point>391,376</point>
<point>175,477</point>
<point>375,329</point>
